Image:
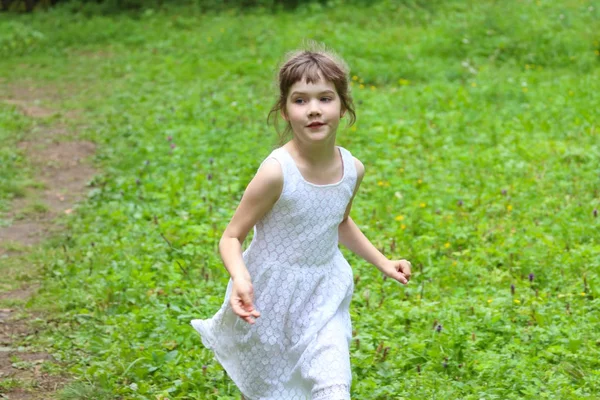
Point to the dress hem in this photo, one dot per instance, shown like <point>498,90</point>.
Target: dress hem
<point>208,341</point>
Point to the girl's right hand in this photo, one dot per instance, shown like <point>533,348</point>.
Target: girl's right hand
<point>242,300</point>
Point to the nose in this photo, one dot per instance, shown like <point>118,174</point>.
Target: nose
<point>314,109</point>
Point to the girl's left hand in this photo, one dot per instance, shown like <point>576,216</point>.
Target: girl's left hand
<point>398,270</point>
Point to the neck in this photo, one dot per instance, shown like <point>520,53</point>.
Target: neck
<point>314,154</point>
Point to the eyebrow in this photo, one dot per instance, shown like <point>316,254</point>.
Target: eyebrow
<point>328,91</point>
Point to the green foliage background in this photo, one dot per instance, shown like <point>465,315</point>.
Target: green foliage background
<point>478,127</point>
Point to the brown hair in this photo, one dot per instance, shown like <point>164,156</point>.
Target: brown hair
<point>312,65</point>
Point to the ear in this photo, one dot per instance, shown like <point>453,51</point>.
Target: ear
<point>283,114</point>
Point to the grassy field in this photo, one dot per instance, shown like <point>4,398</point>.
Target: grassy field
<point>478,126</point>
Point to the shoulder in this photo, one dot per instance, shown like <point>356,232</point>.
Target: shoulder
<point>268,178</point>
<point>360,168</point>
<point>270,172</point>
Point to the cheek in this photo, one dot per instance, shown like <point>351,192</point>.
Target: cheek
<point>338,110</point>
<point>294,113</point>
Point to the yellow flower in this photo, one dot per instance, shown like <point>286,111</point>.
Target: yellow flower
<point>597,52</point>
<point>373,87</point>
<point>525,90</point>
<point>582,293</point>
<point>402,226</point>
<point>447,245</point>
<point>355,78</point>
<point>422,205</point>
<point>380,183</point>
<point>527,66</point>
<point>509,207</point>
<point>571,93</point>
<point>453,263</point>
<point>560,295</point>
<point>401,169</point>
<point>517,301</point>
<point>473,84</point>
<point>419,181</point>
<point>403,82</point>
<point>362,86</point>
<point>400,218</point>
<point>353,129</point>
<point>490,300</point>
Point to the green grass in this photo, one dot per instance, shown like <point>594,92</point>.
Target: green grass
<point>14,172</point>
<point>478,127</point>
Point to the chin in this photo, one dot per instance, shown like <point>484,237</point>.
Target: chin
<point>320,138</point>
<point>320,133</point>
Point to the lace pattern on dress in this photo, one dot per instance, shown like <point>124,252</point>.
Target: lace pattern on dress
<point>336,392</point>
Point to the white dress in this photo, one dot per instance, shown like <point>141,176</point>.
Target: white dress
<point>299,347</point>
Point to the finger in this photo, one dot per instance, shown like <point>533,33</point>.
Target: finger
<point>238,310</point>
<point>247,303</point>
<point>248,306</point>
<point>246,317</point>
<point>400,269</point>
<point>401,278</point>
<point>253,312</point>
<point>251,316</point>
<point>407,269</point>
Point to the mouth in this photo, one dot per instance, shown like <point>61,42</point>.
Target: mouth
<point>315,124</point>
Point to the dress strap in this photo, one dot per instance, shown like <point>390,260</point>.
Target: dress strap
<point>287,166</point>
<point>350,173</point>
<point>287,163</point>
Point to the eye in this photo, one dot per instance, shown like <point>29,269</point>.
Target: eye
<point>326,99</point>
<point>299,101</point>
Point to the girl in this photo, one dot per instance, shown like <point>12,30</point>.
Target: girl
<point>284,329</point>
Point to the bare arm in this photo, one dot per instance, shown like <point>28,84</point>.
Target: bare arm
<point>352,238</point>
<point>258,199</point>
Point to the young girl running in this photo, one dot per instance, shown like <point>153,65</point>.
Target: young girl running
<point>284,329</point>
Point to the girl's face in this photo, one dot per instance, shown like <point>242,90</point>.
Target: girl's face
<point>313,110</point>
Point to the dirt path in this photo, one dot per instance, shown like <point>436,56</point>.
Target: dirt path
<point>60,163</point>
